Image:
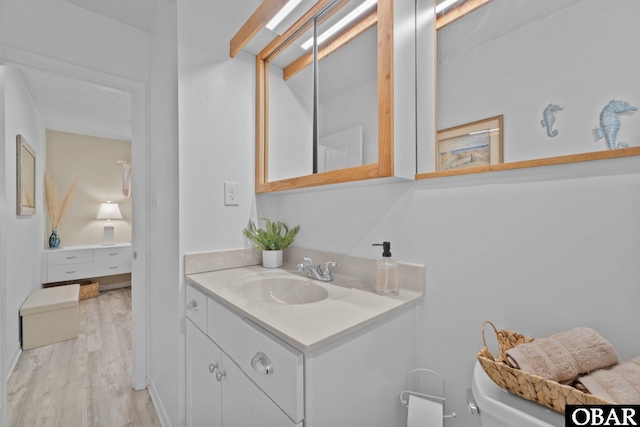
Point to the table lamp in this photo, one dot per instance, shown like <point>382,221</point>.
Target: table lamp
<point>109,211</point>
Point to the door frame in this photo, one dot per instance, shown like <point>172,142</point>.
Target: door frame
<point>140,178</point>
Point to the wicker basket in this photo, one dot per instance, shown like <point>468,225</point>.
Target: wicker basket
<point>88,288</point>
<point>549,393</point>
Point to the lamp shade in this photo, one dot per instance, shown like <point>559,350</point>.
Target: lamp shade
<point>109,211</point>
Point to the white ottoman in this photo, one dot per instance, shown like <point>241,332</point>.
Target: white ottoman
<point>50,315</point>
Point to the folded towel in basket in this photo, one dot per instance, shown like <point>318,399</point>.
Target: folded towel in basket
<point>618,384</point>
<point>564,356</point>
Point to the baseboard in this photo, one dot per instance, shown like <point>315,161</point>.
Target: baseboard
<point>14,361</point>
<point>112,286</point>
<point>157,403</point>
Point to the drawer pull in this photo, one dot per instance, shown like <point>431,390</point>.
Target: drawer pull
<point>70,272</point>
<point>113,254</point>
<point>212,367</point>
<point>193,305</point>
<point>70,257</point>
<point>260,362</point>
<point>113,268</point>
<point>220,374</point>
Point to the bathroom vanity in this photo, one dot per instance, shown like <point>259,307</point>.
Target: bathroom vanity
<point>323,354</point>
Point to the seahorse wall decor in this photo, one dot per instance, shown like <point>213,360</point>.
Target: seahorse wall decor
<point>549,118</point>
<point>610,122</point>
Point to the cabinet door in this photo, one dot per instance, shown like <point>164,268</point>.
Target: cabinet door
<point>204,391</point>
<point>245,405</point>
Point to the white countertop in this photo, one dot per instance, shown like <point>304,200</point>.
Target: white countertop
<point>306,326</point>
<point>84,247</point>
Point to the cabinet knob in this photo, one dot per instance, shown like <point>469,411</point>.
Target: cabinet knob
<point>193,305</point>
<point>212,367</point>
<point>220,374</point>
<point>260,362</point>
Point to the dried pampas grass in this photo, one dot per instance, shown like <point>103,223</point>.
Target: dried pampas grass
<point>56,208</point>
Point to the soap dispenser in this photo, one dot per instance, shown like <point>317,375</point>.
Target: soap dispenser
<point>387,272</point>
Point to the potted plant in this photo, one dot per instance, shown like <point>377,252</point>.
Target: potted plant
<point>272,240</point>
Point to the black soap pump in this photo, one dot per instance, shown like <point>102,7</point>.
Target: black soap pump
<point>387,272</point>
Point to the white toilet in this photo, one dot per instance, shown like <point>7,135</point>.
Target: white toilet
<point>499,408</point>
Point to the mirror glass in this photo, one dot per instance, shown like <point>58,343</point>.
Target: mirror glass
<point>289,124</point>
<point>551,68</point>
<point>348,99</point>
<point>323,115</point>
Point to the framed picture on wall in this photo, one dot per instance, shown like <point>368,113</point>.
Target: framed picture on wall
<point>25,177</point>
<point>470,145</point>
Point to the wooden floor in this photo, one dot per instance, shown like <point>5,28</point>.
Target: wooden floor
<point>84,381</point>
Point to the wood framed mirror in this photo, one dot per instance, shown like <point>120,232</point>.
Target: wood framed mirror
<point>327,106</point>
<point>534,63</point>
<point>25,177</point>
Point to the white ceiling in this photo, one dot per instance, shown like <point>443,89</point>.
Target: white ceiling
<point>135,13</point>
<point>76,106</point>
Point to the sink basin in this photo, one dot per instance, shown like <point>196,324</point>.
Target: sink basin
<point>282,287</point>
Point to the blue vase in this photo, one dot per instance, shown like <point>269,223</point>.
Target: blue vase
<point>54,239</point>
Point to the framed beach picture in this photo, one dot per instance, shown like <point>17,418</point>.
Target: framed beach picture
<point>470,145</point>
<point>25,177</point>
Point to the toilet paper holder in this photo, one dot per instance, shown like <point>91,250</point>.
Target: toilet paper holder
<point>404,396</point>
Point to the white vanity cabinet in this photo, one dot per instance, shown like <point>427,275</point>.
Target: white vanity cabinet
<point>219,389</point>
<point>352,380</point>
<point>204,391</point>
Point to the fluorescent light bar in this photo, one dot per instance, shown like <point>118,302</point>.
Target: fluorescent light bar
<point>445,4</point>
<point>341,23</point>
<point>483,131</point>
<point>286,10</point>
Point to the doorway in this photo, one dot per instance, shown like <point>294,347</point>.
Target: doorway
<point>136,93</point>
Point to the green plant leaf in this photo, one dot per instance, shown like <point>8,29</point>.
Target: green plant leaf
<point>271,237</point>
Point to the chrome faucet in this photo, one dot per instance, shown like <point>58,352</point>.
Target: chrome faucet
<point>315,271</point>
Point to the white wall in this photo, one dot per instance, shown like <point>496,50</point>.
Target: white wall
<point>23,233</point>
<point>216,102</point>
<point>92,161</point>
<point>534,250</point>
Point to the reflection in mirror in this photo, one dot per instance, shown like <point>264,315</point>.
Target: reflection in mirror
<point>517,57</point>
<point>323,114</point>
<point>321,100</point>
<point>348,96</point>
<point>290,117</point>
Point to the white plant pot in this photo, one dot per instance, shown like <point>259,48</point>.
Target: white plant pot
<point>272,259</point>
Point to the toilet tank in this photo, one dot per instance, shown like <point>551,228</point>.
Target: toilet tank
<point>499,408</point>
